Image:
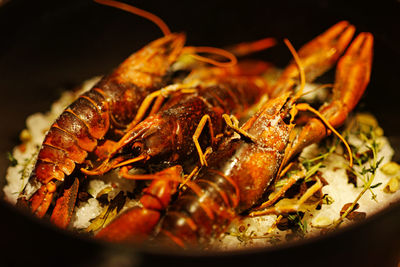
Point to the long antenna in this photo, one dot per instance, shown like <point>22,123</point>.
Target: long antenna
<point>137,11</point>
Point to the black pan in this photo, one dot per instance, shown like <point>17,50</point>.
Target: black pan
<point>48,45</point>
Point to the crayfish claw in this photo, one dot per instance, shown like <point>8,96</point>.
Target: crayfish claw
<point>352,77</point>
<point>317,56</point>
<point>353,71</point>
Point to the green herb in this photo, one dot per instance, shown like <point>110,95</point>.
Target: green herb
<point>25,171</point>
<point>243,237</point>
<point>13,161</point>
<point>281,182</point>
<point>366,174</point>
<point>327,199</point>
<point>300,226</point>
<point>375,185</point>
<point>314,164</point>
<point>312,171</point>
<point>273,239</point>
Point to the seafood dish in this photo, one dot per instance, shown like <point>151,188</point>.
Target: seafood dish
<point>198,147</point>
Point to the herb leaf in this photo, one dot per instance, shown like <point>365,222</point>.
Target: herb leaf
<point>13,161</point>
<point>375,185</point>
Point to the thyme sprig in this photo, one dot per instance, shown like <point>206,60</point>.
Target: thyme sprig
<point>13,161</point>
<point>243,237</point>
<point>25,171</point>
<point>301,225</point>
<point>273,239</point>
<point>365,174</point>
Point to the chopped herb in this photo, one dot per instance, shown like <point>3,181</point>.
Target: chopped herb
<point>13,161</point>
<point>294,222</point>
<point>300,226</point>
<point>327,199</point>
<point>281,182</point>
<point>364,157</point>
<point>375,185</point>
<point>25,171</point>
<point>314,164</point>
<point>242,237</point>
<point>312,171</point>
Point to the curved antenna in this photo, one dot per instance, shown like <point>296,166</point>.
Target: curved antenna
<point>306,107</point>
<point>166,31</point>
<point>299,66</point>
<point>137,11</point>
<point>193,50</point>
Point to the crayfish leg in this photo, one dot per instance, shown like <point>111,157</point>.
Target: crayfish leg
<point>290,208</point>
<point>157,98</point>
<point>197,133</point>
<point>134,225</point>
<point>41,199</point>
<point>65,204</point>
<point>137,223</point>
<point>233,123</point>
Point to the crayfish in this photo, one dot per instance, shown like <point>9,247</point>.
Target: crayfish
<point>209,168</point>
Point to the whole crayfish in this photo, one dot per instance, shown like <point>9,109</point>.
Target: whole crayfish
<point>108,105</point>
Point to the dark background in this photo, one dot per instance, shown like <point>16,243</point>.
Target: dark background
<point>47,46</point>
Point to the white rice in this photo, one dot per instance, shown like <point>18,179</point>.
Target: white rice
<point>243,232</point>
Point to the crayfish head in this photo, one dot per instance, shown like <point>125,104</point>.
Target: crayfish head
<point>288,110</point>
<point>148,140</point>
<point>281,106</point>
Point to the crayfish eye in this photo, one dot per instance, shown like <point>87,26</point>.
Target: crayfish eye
<point>287,118</point>
<point>137,148</point>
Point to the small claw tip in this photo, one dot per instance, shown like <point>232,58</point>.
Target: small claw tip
<point>362,45</point>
